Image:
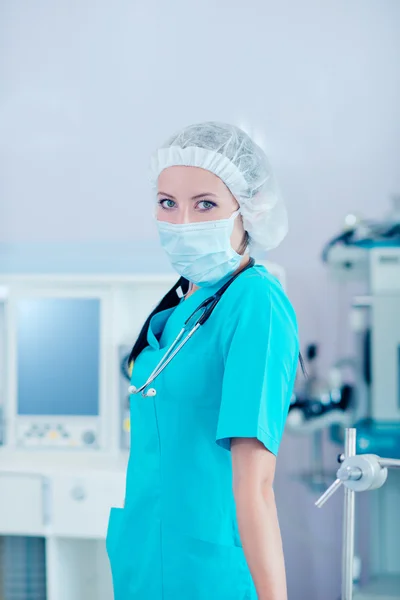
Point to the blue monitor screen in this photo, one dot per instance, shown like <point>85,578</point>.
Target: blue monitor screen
<point>58,344</point>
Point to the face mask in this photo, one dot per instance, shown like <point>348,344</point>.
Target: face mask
<point>201,252</point>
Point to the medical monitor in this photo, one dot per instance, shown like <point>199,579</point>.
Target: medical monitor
<point>58,341</point>
<point>57,374</point>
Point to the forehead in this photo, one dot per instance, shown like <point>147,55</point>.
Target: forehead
<point>190,180</point>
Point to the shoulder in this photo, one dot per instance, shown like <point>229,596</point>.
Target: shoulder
<point>256,309</point>
<point>257,289</point>
<point>256,280</point>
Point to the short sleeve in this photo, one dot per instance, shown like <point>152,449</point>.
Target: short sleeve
<point>261,357</point>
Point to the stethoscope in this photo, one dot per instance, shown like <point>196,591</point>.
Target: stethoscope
<point>207,307</point>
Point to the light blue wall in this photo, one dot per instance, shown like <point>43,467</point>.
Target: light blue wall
<point>83,258</point>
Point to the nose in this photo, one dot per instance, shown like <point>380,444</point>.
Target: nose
<point>182,216</point>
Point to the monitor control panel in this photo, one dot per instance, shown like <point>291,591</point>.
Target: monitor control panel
<point>56,433</point>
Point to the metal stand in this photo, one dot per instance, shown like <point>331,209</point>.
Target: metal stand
<point>358,473</point>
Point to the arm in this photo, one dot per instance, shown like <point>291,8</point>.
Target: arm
<point>253,474</point>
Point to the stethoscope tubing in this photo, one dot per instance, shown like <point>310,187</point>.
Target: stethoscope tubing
<point>164,362</point>
<point>209,304</point>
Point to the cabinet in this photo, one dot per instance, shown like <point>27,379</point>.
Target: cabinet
<point>53,525</point>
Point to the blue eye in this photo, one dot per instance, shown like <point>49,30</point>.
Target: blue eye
<point>207,205</point>
<point>166,203</point>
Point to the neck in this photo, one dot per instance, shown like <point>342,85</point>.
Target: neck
<point>245,260</point>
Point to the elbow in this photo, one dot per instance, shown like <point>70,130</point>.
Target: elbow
<point>268,493</point>
<point>254,490</point>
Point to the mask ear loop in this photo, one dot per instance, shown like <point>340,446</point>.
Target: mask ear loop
<point>235,214</point>
<point>246,233</point>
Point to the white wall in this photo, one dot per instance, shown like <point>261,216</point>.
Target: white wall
<point>89,88</point>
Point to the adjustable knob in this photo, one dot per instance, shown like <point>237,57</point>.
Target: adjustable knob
<point>89,437</point>
<point>359,473</point>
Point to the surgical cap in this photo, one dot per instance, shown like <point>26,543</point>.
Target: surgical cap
<point>241,164</point>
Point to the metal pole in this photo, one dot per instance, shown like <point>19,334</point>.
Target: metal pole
<point>391,463</point>
<point>348,524</point>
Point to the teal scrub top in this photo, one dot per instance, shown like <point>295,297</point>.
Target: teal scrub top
<point>177,537</point>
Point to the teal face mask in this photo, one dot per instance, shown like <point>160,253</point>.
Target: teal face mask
<point>201,252</point>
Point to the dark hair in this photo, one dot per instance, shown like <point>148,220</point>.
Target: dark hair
<point>244,244</point>
<point>170,300</point>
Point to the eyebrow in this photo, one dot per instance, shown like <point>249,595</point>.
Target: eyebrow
<point>193,197</point>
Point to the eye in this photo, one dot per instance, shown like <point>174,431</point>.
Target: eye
<point>166,203</point>
<point>206,205</point>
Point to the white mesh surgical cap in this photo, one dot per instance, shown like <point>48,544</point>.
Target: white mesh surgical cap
<point>241,164</point>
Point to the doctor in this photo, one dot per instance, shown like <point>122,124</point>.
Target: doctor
<point>200,520</point>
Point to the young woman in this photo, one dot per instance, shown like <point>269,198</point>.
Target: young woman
<point>200,520</point>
